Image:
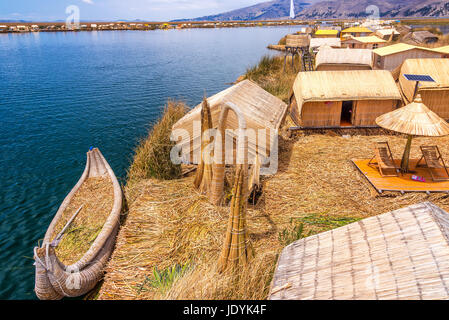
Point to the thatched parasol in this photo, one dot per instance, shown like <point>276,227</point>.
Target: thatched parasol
<point>415,119</point>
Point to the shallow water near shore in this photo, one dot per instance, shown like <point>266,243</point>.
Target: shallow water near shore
<point>61,93</point>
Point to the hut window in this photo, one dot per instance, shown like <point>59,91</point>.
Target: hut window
<point>375,46</point>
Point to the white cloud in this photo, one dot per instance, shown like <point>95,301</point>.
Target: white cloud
<point>88,1</point>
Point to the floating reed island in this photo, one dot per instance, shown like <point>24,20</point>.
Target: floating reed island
<point>172,225</point>
<point>263,222</point>
<point>183,239</point>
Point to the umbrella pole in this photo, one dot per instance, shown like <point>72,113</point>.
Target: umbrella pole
<point>406,156</point>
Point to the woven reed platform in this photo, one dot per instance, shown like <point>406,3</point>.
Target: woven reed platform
<point>402,183</point>
<point>402,254</point>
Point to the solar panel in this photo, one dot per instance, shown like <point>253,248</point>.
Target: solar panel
<point>418,77</point>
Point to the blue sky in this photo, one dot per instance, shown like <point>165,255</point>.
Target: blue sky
<point>152,10</point>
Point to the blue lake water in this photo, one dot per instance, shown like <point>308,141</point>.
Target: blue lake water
<point>61,93</point>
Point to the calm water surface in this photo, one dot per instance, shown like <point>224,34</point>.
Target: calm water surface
<point>63,92</point>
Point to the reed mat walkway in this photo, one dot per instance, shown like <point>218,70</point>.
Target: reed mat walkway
<point>317,186</point>
<point>402,254</point>
<point>402,182</point>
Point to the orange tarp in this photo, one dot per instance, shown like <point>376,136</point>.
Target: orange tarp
<point>402,182</point>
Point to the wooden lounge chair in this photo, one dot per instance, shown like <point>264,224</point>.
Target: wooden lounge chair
<point>385,162</point>
<point>434,162</point>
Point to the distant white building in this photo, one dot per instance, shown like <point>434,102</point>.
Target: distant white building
<point>292,9</point>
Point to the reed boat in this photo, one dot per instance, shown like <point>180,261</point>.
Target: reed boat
<point>57,275</point>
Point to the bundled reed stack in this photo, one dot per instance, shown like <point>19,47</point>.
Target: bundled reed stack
<point>203,177</point>
<point>235,248</point>
<point>218,171</point>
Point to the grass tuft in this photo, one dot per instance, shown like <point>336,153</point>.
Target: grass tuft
<point>289,235</point>
<point>270,75</point>
<point>164,279</point>
<point>152,156</point>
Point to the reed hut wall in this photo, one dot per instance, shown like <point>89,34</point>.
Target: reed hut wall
<point>366,111</point>
<point>435,95</point>
<point>321,114</point>
<point>342,67</point>
<point>392,61</point>
<point>329,59</point>
<point>318,96</point>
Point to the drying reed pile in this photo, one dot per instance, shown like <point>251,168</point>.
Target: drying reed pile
<point>96,195</point>
<point>317,188</point>
<point>269,73</point>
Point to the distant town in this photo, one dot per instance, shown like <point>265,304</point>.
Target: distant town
<point>100,26</point>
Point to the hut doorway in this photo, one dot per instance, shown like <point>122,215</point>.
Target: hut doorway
<point>346,113</point>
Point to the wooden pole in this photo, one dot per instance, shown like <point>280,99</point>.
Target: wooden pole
<point>415,91</point>
<point>406,155</point>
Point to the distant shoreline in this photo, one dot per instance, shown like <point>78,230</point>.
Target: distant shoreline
<point>24,27</point>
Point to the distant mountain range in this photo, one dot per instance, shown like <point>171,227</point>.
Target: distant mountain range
<point>277,9</point>
<point>313,9</point>
<point>387,9</point>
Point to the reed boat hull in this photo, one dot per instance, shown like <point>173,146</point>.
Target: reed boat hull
<point>53,279</point>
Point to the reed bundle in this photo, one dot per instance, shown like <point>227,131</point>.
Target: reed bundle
<point>236,248</point>
<point>203,176</point>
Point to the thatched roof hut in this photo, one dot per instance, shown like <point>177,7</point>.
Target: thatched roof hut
<point>402,254</point>
<point>435,95</point>
<point>342,98</point>
<point>388,34</point>
<point>260,109</point>
<point>444,50</point>
<point>326,33</point>
<point>368,42</point>
<point>424,37</point>
<point>404,29</point>
<point>355,32</point>
<point>297,40</point>
<point>391,57</point>
<point>329,59</point>
<point>316,43</point>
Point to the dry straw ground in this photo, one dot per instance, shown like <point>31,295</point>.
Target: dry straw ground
<point>317,186</point>
<point>171,227</point>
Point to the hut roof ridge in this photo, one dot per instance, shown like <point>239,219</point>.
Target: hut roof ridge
<point>345,85</point>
